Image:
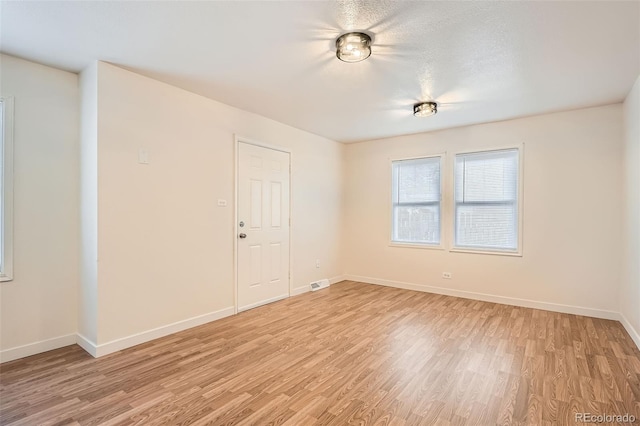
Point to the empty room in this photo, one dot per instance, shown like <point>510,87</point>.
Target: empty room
<point>319,213</point>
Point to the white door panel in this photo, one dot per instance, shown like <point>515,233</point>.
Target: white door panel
<point>263,216</point>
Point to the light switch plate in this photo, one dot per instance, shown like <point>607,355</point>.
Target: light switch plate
<point>143,156</point>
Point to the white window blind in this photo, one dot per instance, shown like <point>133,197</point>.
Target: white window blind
<point>486,200</point>
<point>416,201</point>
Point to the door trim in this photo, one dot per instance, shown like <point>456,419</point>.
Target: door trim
<point>238,139</point>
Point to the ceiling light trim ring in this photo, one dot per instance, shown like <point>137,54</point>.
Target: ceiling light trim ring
<point>353,46</point>
<point>425,109</point>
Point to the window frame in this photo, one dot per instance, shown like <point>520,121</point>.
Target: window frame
<point>6,188</point>
<point>441,245</point>
<point>520,204</point>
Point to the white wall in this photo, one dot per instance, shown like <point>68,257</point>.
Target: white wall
<point>630,288</point>
<point>572,214</point>
<point>165,248</point>
<point>38,308</point>
<point>157,250</point>
<point>88,285</point>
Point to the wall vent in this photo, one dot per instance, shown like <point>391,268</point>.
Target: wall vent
<point>317,285</point>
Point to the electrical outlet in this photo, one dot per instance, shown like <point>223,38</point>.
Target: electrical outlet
<point>446,275</point>
<point>317,263</point>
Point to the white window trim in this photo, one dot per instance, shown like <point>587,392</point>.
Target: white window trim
<point>442,245</point>
<point>504,252</point>
<point>6,215</point>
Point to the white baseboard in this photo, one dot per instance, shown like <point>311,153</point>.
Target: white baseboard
<point>87,345</point>
<point>300,290</point>
<point>146,336</point>
<point>635,335</point>
<point>264,302</point>
<point>336,280</point>
<point>525,303</point>
<point>37,347</point>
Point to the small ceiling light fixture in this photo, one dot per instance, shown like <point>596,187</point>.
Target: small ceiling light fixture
<point>353,47</point>
<point>425,109</point>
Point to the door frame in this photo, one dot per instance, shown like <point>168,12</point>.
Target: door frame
<point>238,139</point>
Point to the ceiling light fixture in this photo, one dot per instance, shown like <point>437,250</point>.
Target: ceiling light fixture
<point>353,47</point>
<point>425,109</point>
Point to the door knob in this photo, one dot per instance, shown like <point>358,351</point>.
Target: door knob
<point>242,235</point>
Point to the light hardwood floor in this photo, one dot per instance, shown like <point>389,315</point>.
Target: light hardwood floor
<point>351,354</point>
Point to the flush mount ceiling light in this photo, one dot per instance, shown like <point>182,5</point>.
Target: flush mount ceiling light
<point>425,109</point>
<point>353,47</point>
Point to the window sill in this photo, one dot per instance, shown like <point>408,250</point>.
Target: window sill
<point>480,251</point>
<point>416,245</point>
<point>5,278</point>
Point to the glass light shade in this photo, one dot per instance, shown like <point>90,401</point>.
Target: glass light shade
<point>353,47</point>
<point>425,109</point>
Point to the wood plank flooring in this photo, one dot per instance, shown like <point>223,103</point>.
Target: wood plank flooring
<point>351,354</point>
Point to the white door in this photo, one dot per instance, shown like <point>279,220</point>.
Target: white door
<point>263,225</point>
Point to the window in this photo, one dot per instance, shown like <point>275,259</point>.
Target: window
<point>416,201</point>
<point>486,200</point>
<point>6,188</point>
